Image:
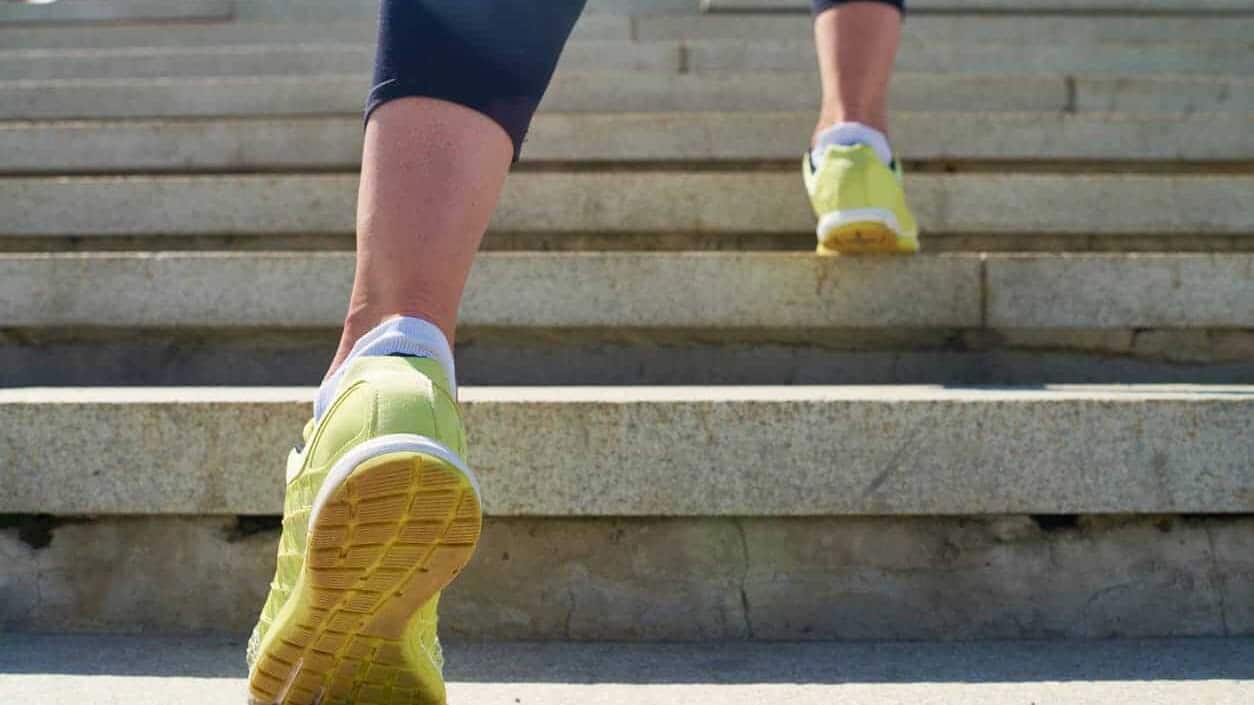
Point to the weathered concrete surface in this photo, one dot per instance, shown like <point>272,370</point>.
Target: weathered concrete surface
<point>145,670</point>
<point>634,202</point>
<point>300,59</point>
<point>1085,59</point>
<point>938,29</point>
<point>567,290</point>
<point>703,579</point>
<point>253,357</point>
<point>335,142</point>
<point>636,91</point>
<point>668,451</point>
<point>761,292</point>
<point>592,26</point>
<point>697,56</point>
<point>1163,291</point>
<point>115,10</point>
<point>605,91</point>
<point>1072,30</point>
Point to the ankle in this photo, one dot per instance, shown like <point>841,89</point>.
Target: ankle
<point>361,321</point>
<point>829,118</point>
<point>852,133</point>
<point>404,335</point>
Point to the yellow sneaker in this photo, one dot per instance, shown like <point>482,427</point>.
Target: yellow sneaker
<point>860,203</point>
<point>380,514</point>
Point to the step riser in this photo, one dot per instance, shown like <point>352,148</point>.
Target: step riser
<point>116,11</point>
<point>666,57</point>
<point>586,290</point>
<point>335,143</point>
<point>759,202</point>
<point>629,91</point>
<point>699,579</point>
<point>667,451</point>
<point>961,29</point>
<point>267,358</point>
<point>638,243</point>
<point>300,60</point>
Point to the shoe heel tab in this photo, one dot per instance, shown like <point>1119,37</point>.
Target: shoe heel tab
<point>427,367</point>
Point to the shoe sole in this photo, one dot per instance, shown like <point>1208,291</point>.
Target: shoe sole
<point>390,528</point>
<point>865,231</point>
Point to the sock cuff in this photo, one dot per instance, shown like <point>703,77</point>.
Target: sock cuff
<point>851,133</point>
<point>403,335</point>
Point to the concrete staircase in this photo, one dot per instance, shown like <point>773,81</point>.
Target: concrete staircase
<point>688,426</point>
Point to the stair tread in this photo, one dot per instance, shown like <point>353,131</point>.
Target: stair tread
<point>675,451</point>
<point>586,290</point>
<point>335,142</point>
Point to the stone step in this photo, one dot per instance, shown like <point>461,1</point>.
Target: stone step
<point>582,579</point>
<point>323,143</point>
<point>963,357</point>
<point>1016,6</point>
<point>763,292</point>
<point>986,57</point>
<point>61,669</point>
<point>669,451</point>
<point>114,11</point>
<point>670,56</point>
<point>635,91</point>
<point>299,59</point>
<point>633,204</point>
<point>956,28</point>
<point>590,26</point>
<point>1046,29</point>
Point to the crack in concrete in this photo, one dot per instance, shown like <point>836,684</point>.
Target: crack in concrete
<point>570,614</point>
<point>894,464</point>
<point>1215,582</point>
<point>744,577</point>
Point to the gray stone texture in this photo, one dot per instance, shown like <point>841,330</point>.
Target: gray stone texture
<point>685,579</point>
<point>1154,290</point>
<point>1086,59</point>
<point>115,10</point>
<point>634,202</point>
<point>635,91</point>
<point>594,91</point>
<point>353,59</point>
<point>939,29</point>
<point>693,56</point>
<point>958,28</point>
<point>761,292</point>
<point>668,451</point>
<point>335,143</point>
<point>250,357</point>
<point>592,26</point>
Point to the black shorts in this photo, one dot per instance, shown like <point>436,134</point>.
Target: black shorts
<point>493,56</point>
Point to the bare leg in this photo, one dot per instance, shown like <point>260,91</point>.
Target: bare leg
<point>431,174</point>
<point>856,44</point>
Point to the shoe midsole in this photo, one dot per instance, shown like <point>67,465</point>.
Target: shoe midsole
<point>383,445</point>
<point>831,221</point>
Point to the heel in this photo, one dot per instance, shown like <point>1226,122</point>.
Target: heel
<point>387,533</point>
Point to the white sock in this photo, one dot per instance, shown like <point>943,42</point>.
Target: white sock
<point>404,335</point>
<point>851,133</point>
